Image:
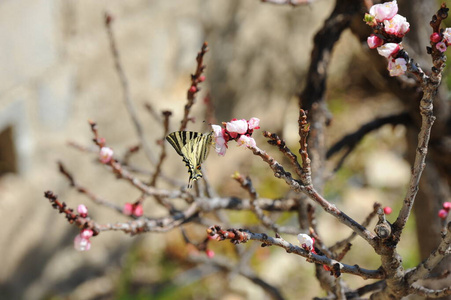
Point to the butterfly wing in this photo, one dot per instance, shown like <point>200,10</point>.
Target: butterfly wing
<point>193,147</point>
<point>179,139</point>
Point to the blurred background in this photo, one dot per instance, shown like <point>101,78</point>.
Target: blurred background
<point>57,72</point>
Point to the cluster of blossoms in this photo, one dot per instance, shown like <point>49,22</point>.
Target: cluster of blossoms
<point>442,40</point>
<point>238,130</point>
<point>81,241</point>
<point>135,209</point>
<point>391,27</point>
<point>443,213</point>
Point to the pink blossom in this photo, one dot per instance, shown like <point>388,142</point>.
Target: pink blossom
<point>86,233</point>
<point>397,66</point>
<point>81,243</point>
<point>447,35</point>
<point>387,210</point>
<point>236,127</point>
<point>220,142</point>
<point>247,141</point>
<point>441,46</point>
<point>388,49</point>
<point>447,206</point>
<point>253,123</point>
<point>138,210</point>
<point>106,154</point>
<point>398,26</point>
<point>306,241</point>
<point>127,209</point>
<point>442,214</point>
<point>374,41</point>
<point>82,210</point>
<point>384,11</point>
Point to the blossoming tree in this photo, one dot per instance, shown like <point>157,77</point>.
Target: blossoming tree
<point>392,281</point>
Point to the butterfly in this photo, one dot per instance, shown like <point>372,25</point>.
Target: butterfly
<point>193,147</point>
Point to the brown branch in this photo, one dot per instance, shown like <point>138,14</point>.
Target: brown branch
<point>351,140</point>
<point>96,199</point>
<point>276,141</point>
<point>237,236</point>
<point>126,90</point>
<point>425,268</point>
<point>425,292</point>
<point>166,114</point>
<point>429,86</point>
<point>310,191</point>
<point>246,183</point>
<point>196,78</point>
<point>365,223</point>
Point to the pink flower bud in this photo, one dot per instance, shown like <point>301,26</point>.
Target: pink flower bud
<point>447,206</point>
<point>387,210</point>
<point>106,154</point>
<point>86,233</point>
<point>138,210</point>
<point>384,11</point>
<point>374,41</point>
<point>441,46</point>
<point>82,210</point>
<point>192,89</point>
<point>127,209</point>
<point>202,78</point>
<point>81,244</point>
<point>435,37</point>
<point>442,214</point>
<point>306,241</point>
<point>210,253</point>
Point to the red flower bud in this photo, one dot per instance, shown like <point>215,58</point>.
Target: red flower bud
<point>387,210</point>
<point>435,37</point>
<point>442,214</point>
<point>192,89</point>
<point>447,206</point>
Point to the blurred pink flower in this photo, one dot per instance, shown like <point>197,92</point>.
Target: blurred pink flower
<point>81,243</point>
<point>106,154</point>
<point>82,210</point>
<point>220,142</point>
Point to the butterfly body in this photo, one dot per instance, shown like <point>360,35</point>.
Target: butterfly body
<point>193,147</point>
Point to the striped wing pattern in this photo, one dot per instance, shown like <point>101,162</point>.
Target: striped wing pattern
<point>193,147</point>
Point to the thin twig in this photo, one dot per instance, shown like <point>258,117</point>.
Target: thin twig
<point>425,268</point>
<point>126,91</point>
<point>196,78</point>
<point>83,190</point>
